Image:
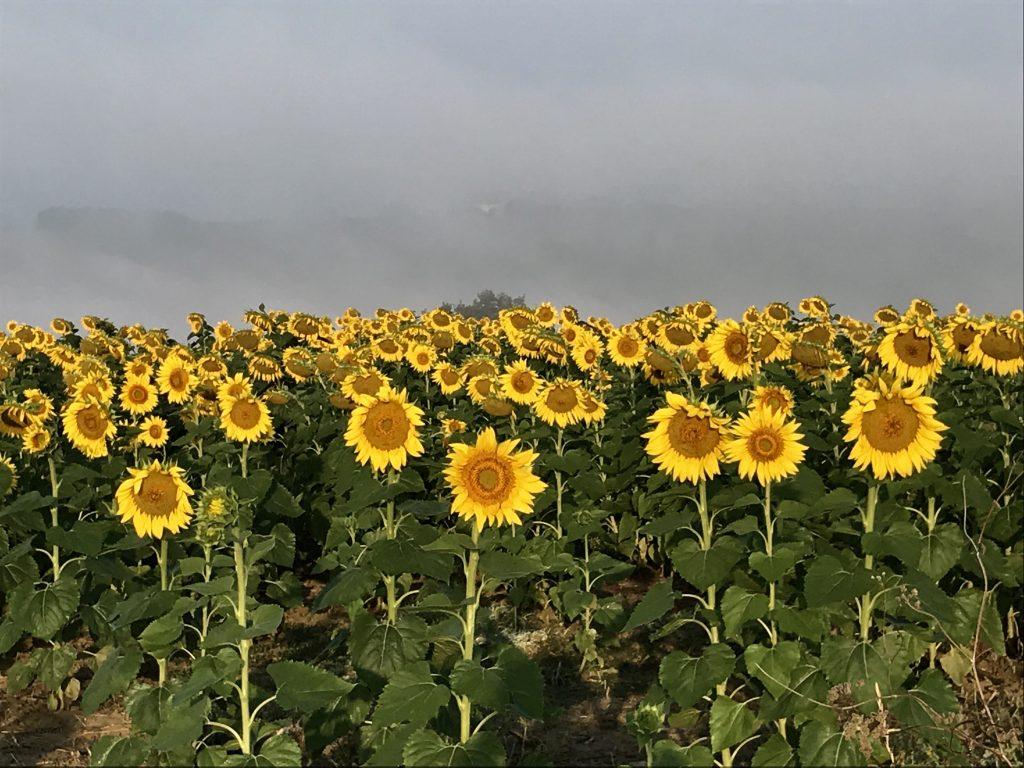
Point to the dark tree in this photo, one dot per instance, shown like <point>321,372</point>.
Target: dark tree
<point>486,304</point>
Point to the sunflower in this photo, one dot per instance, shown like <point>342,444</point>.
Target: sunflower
<point>264,368</point>
<point>766,445</point>
<point>93,385</point>
<point>893,429</point>
<point>155,499</point>
<point>998,348</point>
<point>594,409</point>
<point>546,314</point>
<point>8,476</point>
<point>958,335</point>
<point>492,483</point>
<point>175,379</point>
<point>421,357</point>
<point>560,403</point>
<point>388,349</point>
<point>384,430</point>
<point>687,440</point>
<point>520,384</point>
<point>35,439</point>
<point>153,432</point>
<point>14,420</point>
<point>777,399</point>
<point>236,386</point>
<point>626,348</point>
<point>677,336</point>
<point>451,427</point>
<point>88,425</point>
<point>365,384</point>
<point>773,344</point>
<point>138,396</point>
<point>586,351</point>
<point>910,351</point>
<point>245,419</point>
<point>730,350</point>
<point>448,378</point>
<point>38,405</point>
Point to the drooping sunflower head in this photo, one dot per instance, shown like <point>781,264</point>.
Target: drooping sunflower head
<point>492,483</point>
<point>892,427</point>
<point>8,476</point>
<point>520,384</point>
<point>14,420</point>
<point>245,419</point>
<point>687,440</point>
<point>767,446</point>
<point>560,403</point>
<point>155,499</point>
<point>384,430</point>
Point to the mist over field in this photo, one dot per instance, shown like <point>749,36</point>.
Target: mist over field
<point>316,155</point>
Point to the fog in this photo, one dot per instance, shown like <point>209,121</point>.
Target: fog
<point>620,157</point>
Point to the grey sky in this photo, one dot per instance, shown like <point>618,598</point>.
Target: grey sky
<point>647,154</point>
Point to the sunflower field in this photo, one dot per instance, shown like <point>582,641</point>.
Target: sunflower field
<point>789,539</point>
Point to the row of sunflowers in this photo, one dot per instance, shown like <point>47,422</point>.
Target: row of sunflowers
<point>824,514</point>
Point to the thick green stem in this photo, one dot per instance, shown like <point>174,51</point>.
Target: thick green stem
<point>391,531</point>
<point>207,574</point>
<point>469,632</point>
<point>769,548</point>
<point>706,531</point>
<point>161,664</point>
<point>54,518</point>
<point>241,580</point>
<point>867,600</point>
<point>558,488</point>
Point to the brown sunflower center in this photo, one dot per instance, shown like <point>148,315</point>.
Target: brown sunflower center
<point>386,426</point>
<point>736,345</point>
<point>449,377</point>
<point>775,400</point>
<point>245,414</point>
<point>519,322</point>
<point>156,431</point>
<point>692,436</point>
<point>765,445</point>
<point>158,495</point>
<point>679,336</point>
<point>1000,345</point>
<point>92,422</point>
<point>138,393</point>
<point>178,379</point>
<point>963,336</point>
<point>891,426</point>
<point>589,356</point>
<point>489,480</point>
<point>562,399</point>
<point>628,347</point>
<point>522,382</point>
<point>913,349</point>
<point>769,343</point>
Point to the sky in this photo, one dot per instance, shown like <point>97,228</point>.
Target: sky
<point>617,156</point>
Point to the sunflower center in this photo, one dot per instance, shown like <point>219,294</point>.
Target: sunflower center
<point>692,436</point>
<point>562,399</point>
<point>765,445</point>
<point>963,336</point>
<point>736,347</point>
<point>489,480</point>
<point>522,382</point>
<point>178,379</point>
<point>891,426</point>
<point>386,426</point>
<point>774,400</point>
<point>92,422</point>
<point>1000,345</point>
<point>245,414</point>
<point>155,431</point>
<point>768,345</point>
<point>628,346</point>
<point>912,349</point>
<point>158,495</point>
<point>681,337</point>
<point>138,394</point>
<point>449,377</point>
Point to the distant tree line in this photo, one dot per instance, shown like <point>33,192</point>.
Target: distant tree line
<point>486,304</point>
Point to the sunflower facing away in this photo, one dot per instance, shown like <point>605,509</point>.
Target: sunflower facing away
<point>492,483</point>
<point>384,430</point>
<point>687,440</point>
<point>245,419</point>
<point>155,499</point>
<point>893,429</point>
<point>88,426</point>
<point>766,445</point>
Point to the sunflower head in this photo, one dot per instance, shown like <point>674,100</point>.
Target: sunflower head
<point>384,430</point>
<point>560,403</point>
<point>216,510</point>
<point>767,446</point>
<point>492,483</point>
<point>155,499</point>
<point>245,419</point>
<point>687,439</point>
<point>8,476</point>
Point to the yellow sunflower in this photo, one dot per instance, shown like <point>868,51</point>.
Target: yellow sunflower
<point>687,440</point>
<point>153,432</point>
<point>14,420</point>
<point>384,430</point>
<point>775,398</point>
<point>38,405</point>
<point>560,403</point>
<point>365,384</point>
<point>88,425</point>
<point>893,429</point>
<point>245,419</point>
<point>492,483</point>
<point>35,439</point>
<point>730,350</point>
<point>520,384</point>
<point>448,378</point>
<point>8,476</point>
<point>766,445</point>
<point>236,386</point>
<point>155,499</point>
<point>138,396</point>
<point>626,348</point>
<point>421,357</point>
<point>594,409</point>
<point>587,351</point>
<point>175,379</point>
<point>998,348</point>
<point>909,351</point>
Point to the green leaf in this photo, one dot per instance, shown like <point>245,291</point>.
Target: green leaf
<point>828,582</point>
<point>393,557</point>
<point>119,667</point>
<point>773,666</point>
<point>731,723</point>
<point>116,752</point>
<point>658,601</point>
<point>350,585</point>
<point>428,749</point>
<point>305,688</point>
<point>43,612</point>
<point>410,696</point>
<point>482,685</point>
<point>940,550</point>
<point>845,660</point>
<point>774,753</point>
<point>207,672</point>
<point>702,568</point>
<point>181,726</point>
<point>966,623</point>
<point>379,650</point>
<point>825,745</point>
<point>524,681</point>
<point>740,606</point>
<point>54,664</point>
<point>264,621</point>
<point>687,678</point>
<point>775,567</point>
<point>280,750</point>
<point>504,567</point>
<point>159,636</point>
<point>668,753</point>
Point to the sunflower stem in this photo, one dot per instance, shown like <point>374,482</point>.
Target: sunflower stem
<point>54,518</point>
<point>241,580</point>
<point>706,531</point>
<point>769,538</point>
<point>162,562</point>
<point>867,601</point>
<point>391,532</point>
<point>469,631</point>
